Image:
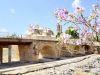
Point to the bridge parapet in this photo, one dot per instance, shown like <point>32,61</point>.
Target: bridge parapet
<point>43,38</point>
<point>14,41</point>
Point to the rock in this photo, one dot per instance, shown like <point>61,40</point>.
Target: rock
<point>86,65</point>
<point>95,70</point>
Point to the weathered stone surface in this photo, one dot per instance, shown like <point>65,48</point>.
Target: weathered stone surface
<point>88,65</point>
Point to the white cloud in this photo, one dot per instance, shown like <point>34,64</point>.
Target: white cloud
<point>12,11</point>
<point>76,3</point>
<point>3,30</point>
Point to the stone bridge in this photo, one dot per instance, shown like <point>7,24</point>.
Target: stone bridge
<point>29,49</point>
<point>37,47</point>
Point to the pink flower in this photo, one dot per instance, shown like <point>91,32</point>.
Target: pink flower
<point>79,10</point>
<point>85,22</point>
<point>79,18</point>
<point>98,21</point>
<point>84,32</point>
<point>98,30</point>
<point>76,28</point>
<point>61,14</point>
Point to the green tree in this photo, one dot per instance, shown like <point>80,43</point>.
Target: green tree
<point>73,32</point>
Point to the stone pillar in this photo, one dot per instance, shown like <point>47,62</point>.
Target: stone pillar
<point>9,54</point>
<point>25,52</point>
<point>1,54</point>
<point>21,52</point>
<point>15,53</point>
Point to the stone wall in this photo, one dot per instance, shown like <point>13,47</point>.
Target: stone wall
<point>25,53</point>
<point>74,50</point>
<point>49,49</point>
<point>37,50</point>
<point>42,49</point>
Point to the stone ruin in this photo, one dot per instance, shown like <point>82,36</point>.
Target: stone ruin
<point>71,47</point>
<point>37,31</point>
<point>45,45</point>
<point>77,47</point>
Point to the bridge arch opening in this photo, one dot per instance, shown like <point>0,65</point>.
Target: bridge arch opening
<point>47,52</point>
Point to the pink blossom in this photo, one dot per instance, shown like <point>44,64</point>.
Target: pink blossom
<point>79,10</point>
<point>85,22</point>
<point>98,30</point>
<point>84,32</point>
<point>76,28</point>
<point>79,18</point>
<point>98,21</point>
<point>61,14</point>
<point>78,42</point>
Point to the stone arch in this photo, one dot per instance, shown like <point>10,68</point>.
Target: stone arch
<point>87,49</point>
<point>77,47</point>
<point>47,50</point>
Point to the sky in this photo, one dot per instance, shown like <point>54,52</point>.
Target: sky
<point>16,15</point>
